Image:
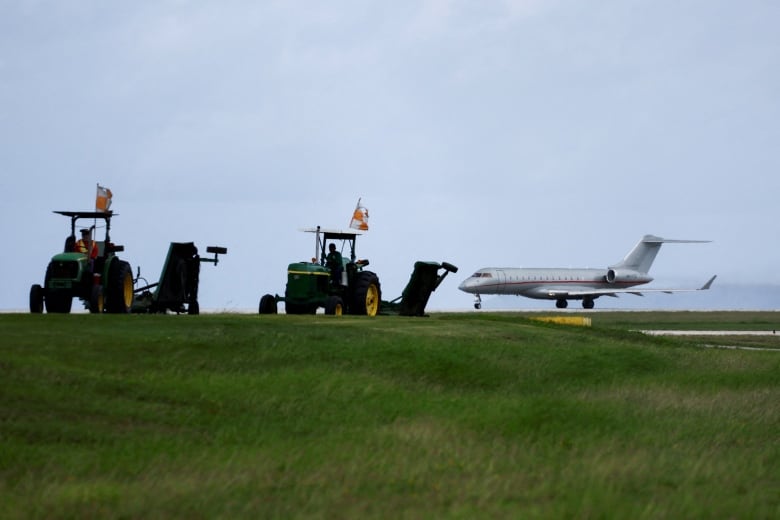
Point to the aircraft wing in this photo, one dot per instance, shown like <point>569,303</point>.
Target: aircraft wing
<point>615,292</point>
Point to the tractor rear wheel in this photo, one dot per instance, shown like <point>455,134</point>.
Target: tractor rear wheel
<point>367,295</point>
<point>119,297</point>
<point>267,305</point>
<point>36,299</point>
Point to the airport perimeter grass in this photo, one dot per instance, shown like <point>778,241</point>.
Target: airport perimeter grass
<point>456,415</point>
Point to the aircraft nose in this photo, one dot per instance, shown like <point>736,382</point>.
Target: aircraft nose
<point>465,285</point>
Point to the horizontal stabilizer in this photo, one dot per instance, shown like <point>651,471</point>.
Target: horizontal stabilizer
<point>641,257</point>
<point>651,239</point>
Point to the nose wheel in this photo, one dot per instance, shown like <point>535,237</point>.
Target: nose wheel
<point>477,302</point>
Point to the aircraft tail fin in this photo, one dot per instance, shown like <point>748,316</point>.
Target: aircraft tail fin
<point>641,257</point>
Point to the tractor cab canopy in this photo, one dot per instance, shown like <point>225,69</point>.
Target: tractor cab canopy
<point>75,216</point>
<point>327,236</point>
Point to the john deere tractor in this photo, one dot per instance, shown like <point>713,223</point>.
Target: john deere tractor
<point>103,283</point>
<point>311,285</point>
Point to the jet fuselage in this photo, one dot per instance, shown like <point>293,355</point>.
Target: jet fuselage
<point>546,283</point>
<point>563,284</point>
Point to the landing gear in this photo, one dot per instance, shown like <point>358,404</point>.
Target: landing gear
<point>561,303</point>
<point>587,303</point>
<point>477,302</point>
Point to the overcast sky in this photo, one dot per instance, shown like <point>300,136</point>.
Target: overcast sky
<point>483,133</point>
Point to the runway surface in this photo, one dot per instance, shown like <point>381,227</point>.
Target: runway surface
<point>709,332</point>
<point>730,333</point>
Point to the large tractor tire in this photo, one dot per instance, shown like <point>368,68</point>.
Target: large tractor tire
<point>267,305</point>
<point>119,290</point>
<point>367,295</point>
<point>36,299</point>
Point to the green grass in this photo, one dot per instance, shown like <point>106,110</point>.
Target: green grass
<point>455,416</point>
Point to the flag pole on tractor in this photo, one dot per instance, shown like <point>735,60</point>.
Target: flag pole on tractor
<point>359,217</point>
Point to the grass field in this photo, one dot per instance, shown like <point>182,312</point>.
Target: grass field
<point>451,416</point>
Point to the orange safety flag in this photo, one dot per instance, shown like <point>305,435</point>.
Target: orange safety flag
<point>359,218</point>
<point>103,199</point>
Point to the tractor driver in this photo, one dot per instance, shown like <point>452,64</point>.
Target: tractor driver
<point>334,262</point>
<point>86,245</point>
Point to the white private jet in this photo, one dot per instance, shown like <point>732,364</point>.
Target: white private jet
<point>566,284</point>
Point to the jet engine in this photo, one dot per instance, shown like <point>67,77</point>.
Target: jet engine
<point>615,276</point>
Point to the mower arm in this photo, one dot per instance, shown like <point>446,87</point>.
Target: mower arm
<point>147,287</point>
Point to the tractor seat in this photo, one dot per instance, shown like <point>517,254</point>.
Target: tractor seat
<point>70,244</point>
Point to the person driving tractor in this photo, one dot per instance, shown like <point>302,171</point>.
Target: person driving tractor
<point>335,264</point>
<point>86,245</point>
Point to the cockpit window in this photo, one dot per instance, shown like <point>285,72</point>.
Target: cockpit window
<point>482,275</point>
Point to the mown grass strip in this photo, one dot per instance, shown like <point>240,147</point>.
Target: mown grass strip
<point>316,416</point>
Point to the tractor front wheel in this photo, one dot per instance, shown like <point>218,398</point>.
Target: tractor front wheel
<point>96,300</point>
<point>267,304</point>
<point>367,295</point>
<point>120,287</point>
<point>334,306</point>
<point>36,299</point>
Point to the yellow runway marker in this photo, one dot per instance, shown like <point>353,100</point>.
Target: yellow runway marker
<point>565,320</point>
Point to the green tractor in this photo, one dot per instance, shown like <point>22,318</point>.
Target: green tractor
<point>344,289</point>
<point>104,283</point>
